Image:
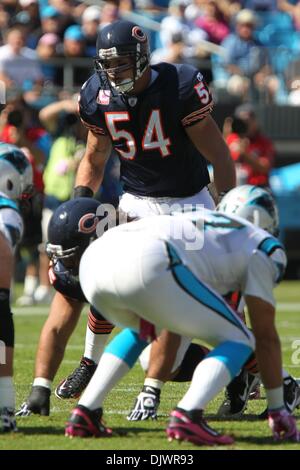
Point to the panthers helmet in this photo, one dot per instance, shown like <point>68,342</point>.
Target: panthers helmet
<point>15,172</point>
<point>254,204</point>
<point>122,39</point>
<point>71,229</point>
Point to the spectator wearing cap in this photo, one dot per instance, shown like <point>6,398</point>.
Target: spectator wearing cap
<point>252,151</point>
<point>90,26</point>
<point>18,64</point>
<point>246,62</point>
<point>74,46</point>
<point>47,49</point>
<point>29,19</point>
<point>50,20</point>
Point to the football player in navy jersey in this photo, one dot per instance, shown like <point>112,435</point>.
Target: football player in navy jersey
<point>158,121</point>
<point>15,184</point>
<point>71,228</point>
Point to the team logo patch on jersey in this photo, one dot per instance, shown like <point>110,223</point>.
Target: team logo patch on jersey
<point>103,97</point>
<point>132,101</point>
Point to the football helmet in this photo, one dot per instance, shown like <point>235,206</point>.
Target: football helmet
<point>15,172</point>
<point>71,229</point>
<point>254,204</point>
<point>118,40</point>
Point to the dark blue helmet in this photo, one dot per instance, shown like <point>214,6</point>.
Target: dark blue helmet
<point>122,39</point>
<point>71,229</point>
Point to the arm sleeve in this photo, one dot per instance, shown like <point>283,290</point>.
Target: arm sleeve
<point>11,225</point>
<point>89,110</point>
<point>195,99</point>
<point>263,273</point>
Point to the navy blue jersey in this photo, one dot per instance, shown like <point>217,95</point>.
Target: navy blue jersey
<point>148,131</point>
<point>65,283</point>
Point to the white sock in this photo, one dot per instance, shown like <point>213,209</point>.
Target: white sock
<point>153,383</point>
<point>30,284</point>
<point>110,370</point>
<point>210,376</point>
<point>7,393</point>
<point>94,345</point>
<point>275,398</point>
<point>41,382</point>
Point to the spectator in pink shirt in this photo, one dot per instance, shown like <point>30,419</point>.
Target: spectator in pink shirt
<point>212,21</point>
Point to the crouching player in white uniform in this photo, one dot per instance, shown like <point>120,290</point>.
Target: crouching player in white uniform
<point>15,182</point>
<point>156,272</point>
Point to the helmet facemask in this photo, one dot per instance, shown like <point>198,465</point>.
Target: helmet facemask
<point>139,63</point>
<point>70,257</point>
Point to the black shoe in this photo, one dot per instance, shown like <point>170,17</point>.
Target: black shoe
<point>74,384</point>
<point>146,404</point>
<point>38,402</point>
<point>86,423</point>
<point>7,420</point>
<point>291,396</point>
<point>237,394</point>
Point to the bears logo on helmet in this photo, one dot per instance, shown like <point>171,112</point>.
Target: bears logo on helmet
<point>71,229</point>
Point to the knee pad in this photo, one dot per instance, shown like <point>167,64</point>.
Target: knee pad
<point>7,332</point>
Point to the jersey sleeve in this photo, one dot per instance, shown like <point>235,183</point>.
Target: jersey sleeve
<point>89,110</point>
<point>265,270</point>
<point>195,98</point>
<point>11,226</point>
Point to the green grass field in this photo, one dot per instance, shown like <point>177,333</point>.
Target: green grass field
<point>48,432</point>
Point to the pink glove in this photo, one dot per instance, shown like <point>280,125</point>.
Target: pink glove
<point>283,426</point>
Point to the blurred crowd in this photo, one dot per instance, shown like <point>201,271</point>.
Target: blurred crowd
<point>247,50</point>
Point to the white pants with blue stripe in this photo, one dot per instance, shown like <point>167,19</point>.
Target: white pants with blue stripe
<point>128,276</point>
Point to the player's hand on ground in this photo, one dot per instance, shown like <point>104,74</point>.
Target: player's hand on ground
<point>283,426</point>
<point>146,405</point>
<point>38,402</point>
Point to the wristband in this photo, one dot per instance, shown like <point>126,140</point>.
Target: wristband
<point>82,191</point>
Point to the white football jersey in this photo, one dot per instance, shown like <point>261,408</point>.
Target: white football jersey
<point>11,223</point>
<point>226,252</point>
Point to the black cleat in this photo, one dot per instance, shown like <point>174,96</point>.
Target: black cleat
<point>237,394</point>
<point>38,402</point>
<point>75,383</point>
<point>7,420</point>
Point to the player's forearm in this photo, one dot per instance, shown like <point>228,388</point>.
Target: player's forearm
<point>268,355</point>
<point>89,174</point>
<point>224,173</point>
